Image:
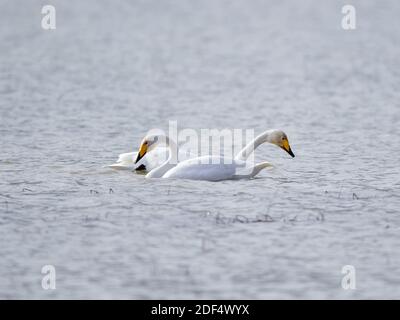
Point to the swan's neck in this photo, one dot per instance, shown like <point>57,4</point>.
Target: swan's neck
<point>171,161</point>
<point>251,146</point>
<point>173,151</point>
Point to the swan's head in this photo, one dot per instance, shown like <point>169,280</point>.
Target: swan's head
<point>148,143</point>
<point>279,138</point>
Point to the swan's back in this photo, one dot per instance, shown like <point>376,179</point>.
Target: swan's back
<point>211,168</point>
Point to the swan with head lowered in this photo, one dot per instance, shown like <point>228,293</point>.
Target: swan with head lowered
<point>153,159</point>
<point>211,168</point>
<point>146,160</point>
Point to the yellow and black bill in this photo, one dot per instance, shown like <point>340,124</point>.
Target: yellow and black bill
<point>285,146</point>
<point>142,151</point>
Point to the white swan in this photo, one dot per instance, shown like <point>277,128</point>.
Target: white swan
<point>146,160</point>
<point>212,168</point>
<point>152,160</point>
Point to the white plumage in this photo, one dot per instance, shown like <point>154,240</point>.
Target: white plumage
<point>153,159</point>
<point>212,168</point>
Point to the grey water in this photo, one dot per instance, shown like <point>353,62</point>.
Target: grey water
<point>73,98</point>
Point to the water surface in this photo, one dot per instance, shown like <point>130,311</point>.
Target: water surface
<point>73,98</point>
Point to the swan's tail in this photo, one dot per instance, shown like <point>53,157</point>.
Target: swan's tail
<point>255,170</point>
<point>125,161</point>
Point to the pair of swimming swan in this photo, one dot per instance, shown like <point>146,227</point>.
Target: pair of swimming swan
<point>211,168</point>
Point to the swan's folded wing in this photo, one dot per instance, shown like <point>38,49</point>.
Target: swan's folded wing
<point>125,161</point>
